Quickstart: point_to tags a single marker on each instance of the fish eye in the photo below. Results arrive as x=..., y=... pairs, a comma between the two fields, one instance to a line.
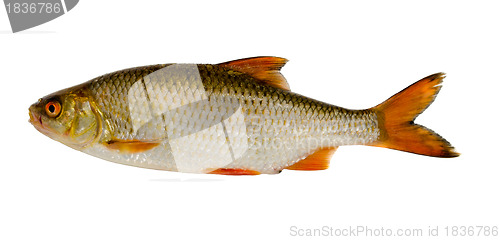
x=53, y=108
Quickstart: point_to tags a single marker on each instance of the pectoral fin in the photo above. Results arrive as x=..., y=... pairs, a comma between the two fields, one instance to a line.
x=130, y=146
x=319, y=160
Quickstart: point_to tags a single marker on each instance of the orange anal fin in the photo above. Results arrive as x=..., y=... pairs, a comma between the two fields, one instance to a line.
x=234, y=171
x=264, y=69
x=319, y=160
x=130, y=146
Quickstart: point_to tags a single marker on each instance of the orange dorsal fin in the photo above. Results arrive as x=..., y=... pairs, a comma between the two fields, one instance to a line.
x=319, y=160
x=234, y=171
x=130, y=146
x=264, y=69
x=396, y=116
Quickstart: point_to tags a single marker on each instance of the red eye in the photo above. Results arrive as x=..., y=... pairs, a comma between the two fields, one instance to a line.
x=53, y=108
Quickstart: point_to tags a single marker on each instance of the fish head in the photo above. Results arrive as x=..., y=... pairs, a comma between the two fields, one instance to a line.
x=68, y=116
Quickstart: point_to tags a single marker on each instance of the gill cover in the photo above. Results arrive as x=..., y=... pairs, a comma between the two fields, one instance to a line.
x=86, y=126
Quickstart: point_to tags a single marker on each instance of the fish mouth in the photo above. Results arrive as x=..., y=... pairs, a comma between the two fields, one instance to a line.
x=36, y=121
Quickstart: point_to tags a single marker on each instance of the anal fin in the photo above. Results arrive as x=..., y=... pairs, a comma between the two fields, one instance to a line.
x=131, y=146
x=234, y=171
x=319, y=160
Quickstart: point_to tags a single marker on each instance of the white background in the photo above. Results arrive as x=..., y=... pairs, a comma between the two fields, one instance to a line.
x=353, y=54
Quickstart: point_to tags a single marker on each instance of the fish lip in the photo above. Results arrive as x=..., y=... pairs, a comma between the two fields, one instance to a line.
x=36, y=121
x=31, y=118
x=32, y=113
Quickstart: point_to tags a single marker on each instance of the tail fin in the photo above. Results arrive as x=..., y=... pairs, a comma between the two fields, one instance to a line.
x=396, y=116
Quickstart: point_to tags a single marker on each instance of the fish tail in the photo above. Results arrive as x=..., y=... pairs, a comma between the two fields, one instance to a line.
x=396, y=118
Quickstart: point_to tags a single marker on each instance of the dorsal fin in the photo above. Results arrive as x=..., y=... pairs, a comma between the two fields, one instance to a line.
x=319, y=160
x=264, y=69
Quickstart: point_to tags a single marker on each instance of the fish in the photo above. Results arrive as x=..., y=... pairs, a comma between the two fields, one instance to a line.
x=234, y=118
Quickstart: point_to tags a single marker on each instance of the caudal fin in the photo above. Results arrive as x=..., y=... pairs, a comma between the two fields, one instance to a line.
x=396, y=116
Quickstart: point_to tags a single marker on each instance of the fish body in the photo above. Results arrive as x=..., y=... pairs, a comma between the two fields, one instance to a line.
x=234, y=118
